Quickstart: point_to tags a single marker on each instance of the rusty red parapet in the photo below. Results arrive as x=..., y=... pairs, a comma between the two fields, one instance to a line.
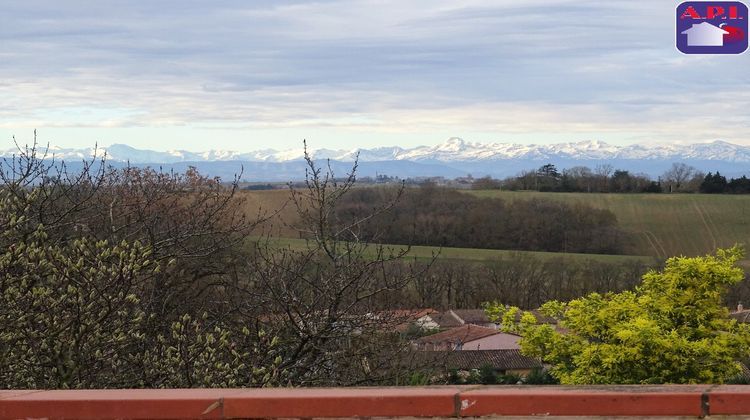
x=585, y=401
x=445, y=401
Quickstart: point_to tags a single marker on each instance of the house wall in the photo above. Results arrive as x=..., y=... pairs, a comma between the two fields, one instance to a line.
x=426, y=323
x=443, y=346
x=520, y=372
x=494, y=342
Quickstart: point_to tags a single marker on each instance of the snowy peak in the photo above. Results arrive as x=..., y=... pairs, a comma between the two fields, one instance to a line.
x=454, y=149
x=453, y=144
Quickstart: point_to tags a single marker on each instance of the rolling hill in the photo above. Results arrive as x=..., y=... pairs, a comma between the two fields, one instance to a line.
x=660, y=225
x=664, y=225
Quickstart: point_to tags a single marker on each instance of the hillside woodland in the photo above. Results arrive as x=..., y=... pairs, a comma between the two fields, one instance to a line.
x=446, y=217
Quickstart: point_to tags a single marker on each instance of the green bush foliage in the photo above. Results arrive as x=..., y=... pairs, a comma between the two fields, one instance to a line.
x=673, y=328
x=71, y=317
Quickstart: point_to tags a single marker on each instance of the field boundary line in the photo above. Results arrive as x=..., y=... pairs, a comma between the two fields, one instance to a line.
x=705, y=224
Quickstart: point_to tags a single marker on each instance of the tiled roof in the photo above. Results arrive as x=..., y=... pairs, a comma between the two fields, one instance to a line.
x=446, y=320
x=405, y=313
x=479, y=316
x=462, y=334
x=472, y=316
x=741, y=316
x=402, y=319
x=475, y=359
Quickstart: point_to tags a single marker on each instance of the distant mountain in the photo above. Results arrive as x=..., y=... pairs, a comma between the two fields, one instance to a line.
x=454, y=157
x=452, y=150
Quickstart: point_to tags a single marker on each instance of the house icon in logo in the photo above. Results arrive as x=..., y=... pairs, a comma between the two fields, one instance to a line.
x=705, y=35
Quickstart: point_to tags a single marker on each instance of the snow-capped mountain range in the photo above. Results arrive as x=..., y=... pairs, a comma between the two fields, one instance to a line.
x=454, y=156
x=453, y=150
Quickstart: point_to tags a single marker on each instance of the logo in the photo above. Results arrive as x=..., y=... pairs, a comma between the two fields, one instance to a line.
x=705, y=27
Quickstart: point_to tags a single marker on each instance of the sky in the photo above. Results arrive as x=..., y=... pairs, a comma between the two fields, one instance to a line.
x=249, y=75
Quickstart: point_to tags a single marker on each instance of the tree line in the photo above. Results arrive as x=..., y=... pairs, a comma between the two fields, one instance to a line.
x=680, y=177
x=518, y=279
x=718, y=184
x=445, y=217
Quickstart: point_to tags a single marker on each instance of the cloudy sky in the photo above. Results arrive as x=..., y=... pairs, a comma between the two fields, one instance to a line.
x=246, y=75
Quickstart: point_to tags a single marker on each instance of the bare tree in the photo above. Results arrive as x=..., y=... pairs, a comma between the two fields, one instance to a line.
x=328, y=300
x=603, y=173
x=677, y=176
x=583, y=177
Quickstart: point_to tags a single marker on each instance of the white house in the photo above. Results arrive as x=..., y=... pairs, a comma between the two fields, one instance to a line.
x=705, y=35
x=468, y=337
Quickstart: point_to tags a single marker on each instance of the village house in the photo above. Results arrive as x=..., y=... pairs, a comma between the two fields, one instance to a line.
x=468, y=337
x=404, y=319
x=453, y=318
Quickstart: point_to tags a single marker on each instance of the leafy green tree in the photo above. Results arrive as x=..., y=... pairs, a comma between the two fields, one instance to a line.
x=739, y=185
x=548, y=170
x=713, y=184
x=672, y=328
x=548, y=178
x=621, y=181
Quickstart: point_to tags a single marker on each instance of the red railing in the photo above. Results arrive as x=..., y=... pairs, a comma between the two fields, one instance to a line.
x=444, y=401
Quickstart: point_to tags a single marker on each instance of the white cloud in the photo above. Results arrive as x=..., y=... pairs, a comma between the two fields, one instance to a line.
x=415, y=68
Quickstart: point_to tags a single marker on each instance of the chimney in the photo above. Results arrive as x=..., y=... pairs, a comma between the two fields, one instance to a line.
x=739, y=307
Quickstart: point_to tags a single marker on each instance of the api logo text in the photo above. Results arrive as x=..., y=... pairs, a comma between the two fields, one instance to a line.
x=705, y=27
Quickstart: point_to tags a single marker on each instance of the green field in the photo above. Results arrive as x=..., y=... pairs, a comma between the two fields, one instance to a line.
x=659, y=225
x=664, y=225
x=479, y=255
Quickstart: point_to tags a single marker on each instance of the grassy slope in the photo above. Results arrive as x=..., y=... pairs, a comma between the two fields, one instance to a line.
x=661, y=224
x=665, y=224
x=481, y=255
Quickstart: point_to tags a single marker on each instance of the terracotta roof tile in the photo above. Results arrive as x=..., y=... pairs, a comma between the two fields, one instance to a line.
x=472, y=316
x=446, y=320
x=475, y=359
x=741, y=316
x=463, y=334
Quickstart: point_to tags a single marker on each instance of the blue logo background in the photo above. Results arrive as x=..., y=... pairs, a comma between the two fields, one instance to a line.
x=718, y=35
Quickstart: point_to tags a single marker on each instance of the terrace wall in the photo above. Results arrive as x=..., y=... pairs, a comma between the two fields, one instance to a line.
x=447, y=401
